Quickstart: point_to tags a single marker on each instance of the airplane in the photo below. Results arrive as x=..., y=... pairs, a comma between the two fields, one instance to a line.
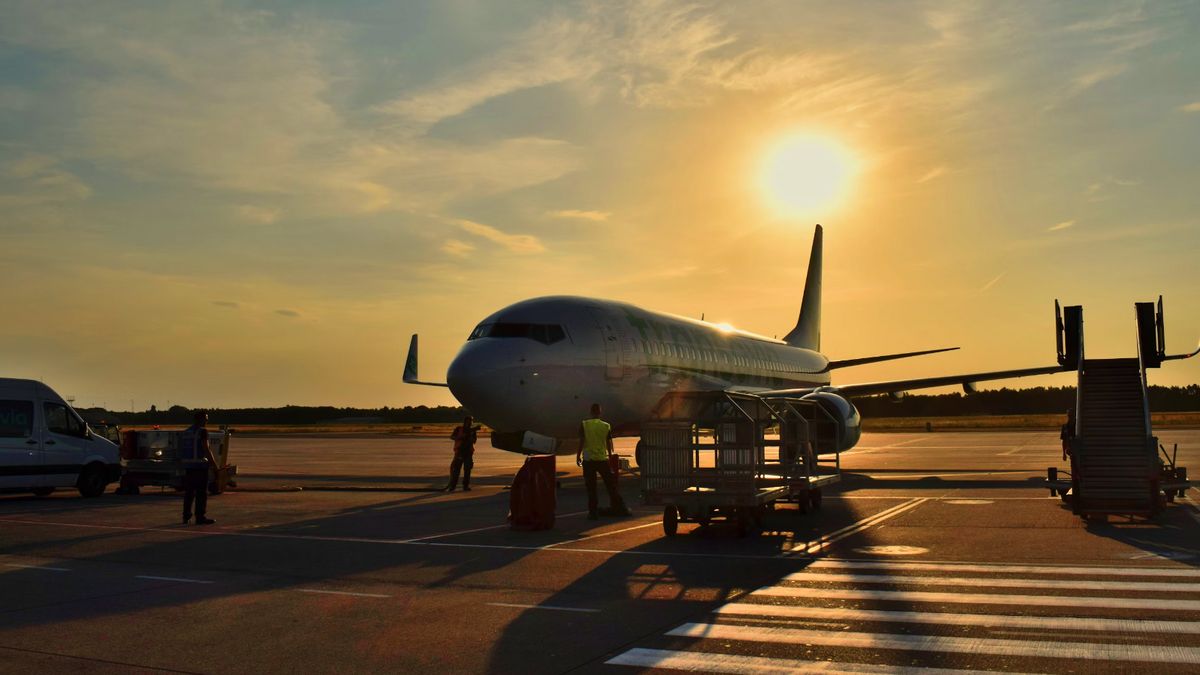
x=537, y=366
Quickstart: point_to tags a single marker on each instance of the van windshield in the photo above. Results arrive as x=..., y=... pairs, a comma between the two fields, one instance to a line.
x=16, y=419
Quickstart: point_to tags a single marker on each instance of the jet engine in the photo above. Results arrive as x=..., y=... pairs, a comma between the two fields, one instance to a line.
x=849, y=421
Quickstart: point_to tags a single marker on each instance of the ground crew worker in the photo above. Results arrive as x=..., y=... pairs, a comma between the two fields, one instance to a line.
x=464, y=454
x=1068, y=433
x=196, y=457
x=595, y=447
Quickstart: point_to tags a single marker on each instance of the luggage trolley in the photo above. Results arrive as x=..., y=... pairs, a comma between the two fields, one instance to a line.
x=808, y=457
x=729, y=456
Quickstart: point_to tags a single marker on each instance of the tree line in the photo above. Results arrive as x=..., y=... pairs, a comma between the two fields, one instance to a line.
x=1013, y=402
x=991, y=402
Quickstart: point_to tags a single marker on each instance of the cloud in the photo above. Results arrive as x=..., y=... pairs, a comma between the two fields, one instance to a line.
x=226, y=303
x=1061, y=226
x=1191, y=107
x=36, y=180
x=935, y=172
x=517, y=243
x=597, y=216
x=993, y=282
x=290, y=313
x=457, y=248
x=256, y=214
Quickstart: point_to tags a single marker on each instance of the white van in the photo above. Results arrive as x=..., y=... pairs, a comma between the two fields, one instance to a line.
x=44, y=444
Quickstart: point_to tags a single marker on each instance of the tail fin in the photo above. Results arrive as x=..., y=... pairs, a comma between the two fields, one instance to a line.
x=807, y=333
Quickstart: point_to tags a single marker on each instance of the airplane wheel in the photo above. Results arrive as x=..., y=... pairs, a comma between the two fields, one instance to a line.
x=670, y=521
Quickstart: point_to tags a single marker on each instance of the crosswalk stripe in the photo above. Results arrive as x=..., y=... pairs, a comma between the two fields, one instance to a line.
x=996, y=583
x=1140, y=626
x=759, y=665
x=1011, y=569
x=979, y=598
x=932, y=643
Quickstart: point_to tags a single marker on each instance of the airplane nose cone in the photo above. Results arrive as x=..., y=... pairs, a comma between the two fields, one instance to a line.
x=476, y=379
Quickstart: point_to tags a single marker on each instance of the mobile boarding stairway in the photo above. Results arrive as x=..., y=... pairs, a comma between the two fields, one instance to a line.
x=1116, y=465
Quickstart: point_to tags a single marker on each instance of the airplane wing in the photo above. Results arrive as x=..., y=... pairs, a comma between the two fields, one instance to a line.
x=410, y=367
x=896, y=386
x=846, y=363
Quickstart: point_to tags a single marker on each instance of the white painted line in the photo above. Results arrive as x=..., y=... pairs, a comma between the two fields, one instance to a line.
x=477, y=529
x=711, y=662
x=179, y=579
x=37, y=567
x=602, y=534
x=1014, y=451
x=980, y=474
x=933, y=643
x=854, y=528
x=987, y=620
x=553, y=607
x=831, y=563
x=356, y=595
x=979, y=598
x=991, y=582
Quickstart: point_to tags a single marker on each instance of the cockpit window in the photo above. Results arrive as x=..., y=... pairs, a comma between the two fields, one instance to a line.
x=546, y=334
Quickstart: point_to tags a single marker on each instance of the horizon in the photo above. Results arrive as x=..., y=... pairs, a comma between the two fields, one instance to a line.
x=242, y=203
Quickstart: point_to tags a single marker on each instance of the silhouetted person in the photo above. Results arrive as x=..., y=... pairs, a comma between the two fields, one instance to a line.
x=464, y=454
x=595, y=447
x=196, y=457
x=1068, y=433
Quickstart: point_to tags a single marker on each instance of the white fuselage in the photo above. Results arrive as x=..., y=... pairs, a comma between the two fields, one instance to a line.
x=538, y=365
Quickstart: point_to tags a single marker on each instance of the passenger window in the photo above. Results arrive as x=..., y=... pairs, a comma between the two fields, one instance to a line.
x=61, y=420
x=16, y=419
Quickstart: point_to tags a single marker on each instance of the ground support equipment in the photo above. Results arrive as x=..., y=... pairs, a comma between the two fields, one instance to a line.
x=732, y=456
x=1116, y=466
x=152, y=458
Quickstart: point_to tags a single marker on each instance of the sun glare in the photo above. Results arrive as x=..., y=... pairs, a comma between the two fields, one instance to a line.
x=807, y=175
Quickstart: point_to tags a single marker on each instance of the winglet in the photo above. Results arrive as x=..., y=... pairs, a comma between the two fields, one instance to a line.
x=807, y=333
x=410, y=367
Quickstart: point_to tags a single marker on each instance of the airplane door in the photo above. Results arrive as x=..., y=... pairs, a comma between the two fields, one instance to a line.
x=20, y=449
x=611, y=336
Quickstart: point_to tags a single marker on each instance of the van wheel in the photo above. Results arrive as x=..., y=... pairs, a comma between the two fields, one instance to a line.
x=43, y=491
x=92, y=481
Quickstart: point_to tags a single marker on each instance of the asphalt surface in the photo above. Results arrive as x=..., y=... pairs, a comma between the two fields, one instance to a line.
x=336, y=554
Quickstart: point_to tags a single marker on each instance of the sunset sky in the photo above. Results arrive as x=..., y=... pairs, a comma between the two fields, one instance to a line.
x=237, y=204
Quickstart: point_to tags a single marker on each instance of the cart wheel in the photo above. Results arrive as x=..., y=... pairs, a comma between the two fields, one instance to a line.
x=814, y=497
x=758, y=517
x=638, y=454
x=670, y=521
x=802, y=504
x=1171, y=496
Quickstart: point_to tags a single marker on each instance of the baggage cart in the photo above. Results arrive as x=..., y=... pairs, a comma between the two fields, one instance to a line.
x=152, y=458
x=732, y=456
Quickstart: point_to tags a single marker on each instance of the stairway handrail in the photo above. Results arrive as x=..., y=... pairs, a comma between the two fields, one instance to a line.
x=1079, y=385
x=1145, y=392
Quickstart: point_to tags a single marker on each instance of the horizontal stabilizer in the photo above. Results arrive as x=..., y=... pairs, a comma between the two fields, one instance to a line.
x=410, y=367
x=846, y=363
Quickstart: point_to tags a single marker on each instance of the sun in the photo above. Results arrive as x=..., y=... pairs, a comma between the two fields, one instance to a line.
x=807, y=174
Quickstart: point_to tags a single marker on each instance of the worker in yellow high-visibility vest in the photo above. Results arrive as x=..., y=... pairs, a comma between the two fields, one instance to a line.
x=595, y=447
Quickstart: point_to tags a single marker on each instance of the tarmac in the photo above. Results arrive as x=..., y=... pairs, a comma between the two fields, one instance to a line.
x=336, y=554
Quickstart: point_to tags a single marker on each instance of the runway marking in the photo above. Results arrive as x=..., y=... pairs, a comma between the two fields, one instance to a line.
x=357, y=595
x=736, y=663
x=995, y=583
x=601, y=534
x=477, y=529
x=865, y=450
x=179, y=579
x=978, y=598
x=37, y=567
x=833, y=563
x=1009, y=453
x=981, y=474
x=854, y=528
x=932, y=643
x=552, y=607
x=839, y=614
